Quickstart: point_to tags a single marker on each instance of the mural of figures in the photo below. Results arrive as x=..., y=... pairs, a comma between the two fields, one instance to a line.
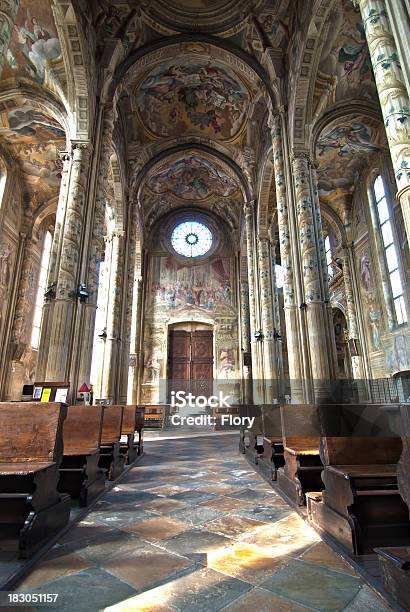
x=371, y=301
x=34, y=41
x=207, y=287
x=192, y=178
x=7, y=257
x=193, y=95
x=226, y=363
x=398, y=357
x=153, y=366
x=349, y=138
x=35, y=139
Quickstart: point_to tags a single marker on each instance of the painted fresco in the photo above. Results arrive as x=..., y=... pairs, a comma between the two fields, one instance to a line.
x=34, y=139
x=207, y=287
x=398, y=357
x=34, y=41
x=193, y=95
x=346, y=55
x=192, y=178
x=340, y=151
x=7, y=259
x=371, y=302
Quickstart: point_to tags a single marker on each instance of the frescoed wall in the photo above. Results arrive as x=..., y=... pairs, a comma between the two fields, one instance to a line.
x=181, y=293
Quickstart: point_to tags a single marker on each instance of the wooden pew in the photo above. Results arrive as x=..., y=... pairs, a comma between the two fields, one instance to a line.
x=301, y=441
x=272, y=456
x=139, y=426
x=253, y=435
x=361, y=506
x=395, y=561
x=154, y=415
x=111, y=458
x=129, y=448
x=31, y=447
x=218, y=412
x=80, y=475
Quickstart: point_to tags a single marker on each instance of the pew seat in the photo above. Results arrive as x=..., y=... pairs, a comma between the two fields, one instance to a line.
x=302, y=467
x=31, y=508
x=111, y=458
x=272, y=457
x=80, y=475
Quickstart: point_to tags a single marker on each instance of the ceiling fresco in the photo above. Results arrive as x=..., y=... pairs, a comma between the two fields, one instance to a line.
x=345, y=66
x=34, y=140
x=193, y=95
x=192, y=178
x=342, y=149
x=34, y=41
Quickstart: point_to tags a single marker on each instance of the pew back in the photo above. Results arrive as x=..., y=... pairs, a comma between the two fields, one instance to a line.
x=129, y=420
x=358, y=435
x=139, y=422
x=112, y=423
x=272, y=426
x=300, y=427
x=82, y=429
x=31, y=432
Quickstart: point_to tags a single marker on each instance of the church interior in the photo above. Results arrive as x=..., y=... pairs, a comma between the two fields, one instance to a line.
x=205, y=200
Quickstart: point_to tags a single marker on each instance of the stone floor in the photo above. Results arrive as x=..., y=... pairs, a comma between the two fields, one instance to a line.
x=194, y=527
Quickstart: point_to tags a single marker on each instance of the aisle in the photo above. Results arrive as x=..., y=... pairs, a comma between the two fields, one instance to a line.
x=194, y=527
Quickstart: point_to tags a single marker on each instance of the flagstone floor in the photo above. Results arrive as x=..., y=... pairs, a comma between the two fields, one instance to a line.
x=193, y=527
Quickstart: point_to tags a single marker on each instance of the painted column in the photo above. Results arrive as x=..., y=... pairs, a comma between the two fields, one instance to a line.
x=60, y=340
x=93, y=256
x=245, y=339
x=267, y=313
x=111, y=352
x=393, y=95
x=135, y=346
x=8, y=14
x=249, y=210
x=313, y=305
x=289, y=292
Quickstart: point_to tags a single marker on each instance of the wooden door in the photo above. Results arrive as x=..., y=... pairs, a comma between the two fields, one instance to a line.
x=190, y=362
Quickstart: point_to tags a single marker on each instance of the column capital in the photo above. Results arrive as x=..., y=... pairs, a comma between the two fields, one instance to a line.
x=301, y=155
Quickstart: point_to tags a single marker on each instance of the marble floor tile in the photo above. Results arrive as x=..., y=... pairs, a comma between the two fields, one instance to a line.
x=261, y=600
x=158, y=528
x=196, y=544
x=196, y=515
x=164, y=505
x=313, y=586
x=227, y=503
x=56, y=563
x=234, y=526
x=203, y=591
x=322, y=554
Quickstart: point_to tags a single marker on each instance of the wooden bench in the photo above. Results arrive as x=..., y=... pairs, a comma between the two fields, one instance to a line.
x=219, y=412
x=31, y=447
x=111, y=458
x=272, y=456
x=361, y=506
x=154, y=416
x=139, y=426
x=80, y=475
x=395, y=561
x=129, y=448
x=301, y=441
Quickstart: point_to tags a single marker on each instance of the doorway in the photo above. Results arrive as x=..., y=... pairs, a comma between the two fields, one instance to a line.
x=190, y=360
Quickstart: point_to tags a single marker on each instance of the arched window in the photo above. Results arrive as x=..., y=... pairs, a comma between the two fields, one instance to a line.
x=42, y=282
x=390, y=250
x=328, y=250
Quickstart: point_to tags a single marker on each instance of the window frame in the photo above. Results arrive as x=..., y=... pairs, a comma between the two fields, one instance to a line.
x=387, y=221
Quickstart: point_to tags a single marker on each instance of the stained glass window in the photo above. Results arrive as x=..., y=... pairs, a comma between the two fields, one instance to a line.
x=191, y=239
x=328, y=250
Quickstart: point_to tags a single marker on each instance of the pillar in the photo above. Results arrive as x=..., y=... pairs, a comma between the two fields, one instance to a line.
x=245, y=339
x=135, y=345
x=393, y=95
x=8, y=14
x=270, y=361
x=295, y=347
x=59, y=342
x=313, y=304
x=111, y=350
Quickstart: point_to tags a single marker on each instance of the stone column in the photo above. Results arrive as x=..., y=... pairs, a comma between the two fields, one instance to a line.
x=313, y=305
x=111, y=352
x=393, y=95
x=8, y=13
x=351, y=313
x=60, y=327
x=245, y=339
x=270, y=361
x=294, y=344
x=135, y=347
x=249, y=211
